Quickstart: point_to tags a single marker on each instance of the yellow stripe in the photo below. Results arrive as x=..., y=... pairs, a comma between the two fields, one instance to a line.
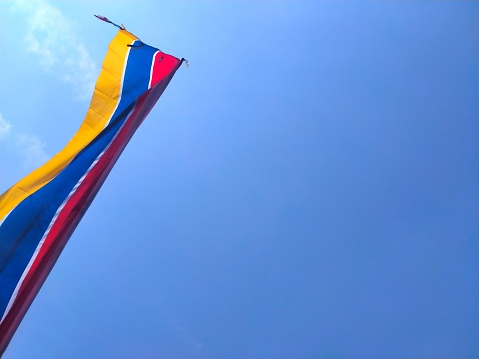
x=103, y=104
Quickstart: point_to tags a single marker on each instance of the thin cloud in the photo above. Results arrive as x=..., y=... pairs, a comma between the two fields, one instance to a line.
x=32, y=150
x=4, y=128
x=29, y=148
x=51, y=37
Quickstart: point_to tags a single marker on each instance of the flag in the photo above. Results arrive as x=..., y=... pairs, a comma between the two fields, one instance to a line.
x=40, y=212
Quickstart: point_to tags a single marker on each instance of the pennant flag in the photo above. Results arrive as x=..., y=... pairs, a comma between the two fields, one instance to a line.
x=40, y=212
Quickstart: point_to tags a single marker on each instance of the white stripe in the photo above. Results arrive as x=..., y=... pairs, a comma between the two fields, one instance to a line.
x=4, y=218
x=151, y=69
x=121, y=84
x=57, y=213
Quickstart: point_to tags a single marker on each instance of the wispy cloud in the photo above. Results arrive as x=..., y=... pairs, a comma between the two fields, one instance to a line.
x=29, y=147
x=32, y=150
x=51, y=37
x=4, y=127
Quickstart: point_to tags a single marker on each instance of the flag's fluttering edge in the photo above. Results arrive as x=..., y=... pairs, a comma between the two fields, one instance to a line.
x=41, y=211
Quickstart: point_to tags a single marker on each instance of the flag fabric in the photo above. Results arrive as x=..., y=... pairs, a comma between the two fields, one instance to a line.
x=40, y=212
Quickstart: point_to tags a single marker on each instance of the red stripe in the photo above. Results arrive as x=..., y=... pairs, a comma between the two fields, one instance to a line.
x=163, y=65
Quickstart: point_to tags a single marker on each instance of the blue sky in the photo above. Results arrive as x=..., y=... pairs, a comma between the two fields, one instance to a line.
x=306, y=189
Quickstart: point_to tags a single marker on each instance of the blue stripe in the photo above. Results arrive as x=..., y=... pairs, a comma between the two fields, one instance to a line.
x=24, y=227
